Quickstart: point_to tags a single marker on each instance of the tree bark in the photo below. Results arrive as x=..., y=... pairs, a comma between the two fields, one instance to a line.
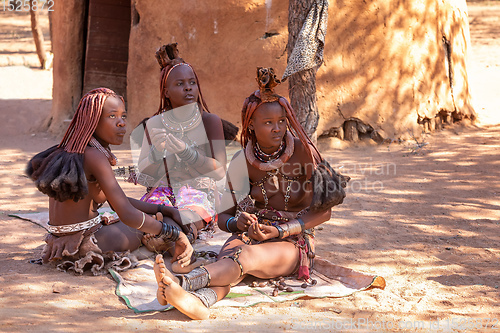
x=302, y=85
x=50, y=30
x=68, y=41
x=38, y=36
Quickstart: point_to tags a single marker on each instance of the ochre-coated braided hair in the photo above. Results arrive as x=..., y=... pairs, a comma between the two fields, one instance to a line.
x=85, y=120
x=168, y=58
x=58, y=171
x=267, y=80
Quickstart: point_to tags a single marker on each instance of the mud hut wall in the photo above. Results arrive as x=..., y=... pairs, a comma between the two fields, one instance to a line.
x=385, y=61
x=224, y=41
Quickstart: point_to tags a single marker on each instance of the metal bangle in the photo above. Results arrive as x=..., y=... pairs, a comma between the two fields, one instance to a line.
x=293, y=227
x=302, y=224
x=231, y=225
x=280, y=231
x=143, y=220
x=169, y=232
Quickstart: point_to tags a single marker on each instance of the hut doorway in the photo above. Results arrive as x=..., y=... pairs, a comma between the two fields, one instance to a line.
x=106, y=45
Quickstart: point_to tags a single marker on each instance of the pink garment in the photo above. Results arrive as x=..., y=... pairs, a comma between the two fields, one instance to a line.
x=186, y=197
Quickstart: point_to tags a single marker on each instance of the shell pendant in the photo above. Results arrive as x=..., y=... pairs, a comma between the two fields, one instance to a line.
x=274, y=179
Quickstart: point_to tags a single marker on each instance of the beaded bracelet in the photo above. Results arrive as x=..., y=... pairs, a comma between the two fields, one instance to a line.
x=230, y=223
x=160, y=208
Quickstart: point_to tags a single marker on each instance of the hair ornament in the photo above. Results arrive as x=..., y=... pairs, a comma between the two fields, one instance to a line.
x=267, y=81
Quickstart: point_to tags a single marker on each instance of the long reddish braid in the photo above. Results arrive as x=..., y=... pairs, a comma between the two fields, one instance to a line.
x=59, y=170
x=85, y=120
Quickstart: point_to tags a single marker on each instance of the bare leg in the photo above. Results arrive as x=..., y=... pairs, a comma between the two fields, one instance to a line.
x=118, y=237
x=170, y=292
x=176, y=267
x=265, y=260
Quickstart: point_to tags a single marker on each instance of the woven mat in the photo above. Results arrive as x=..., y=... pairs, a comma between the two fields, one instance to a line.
x=137, y=286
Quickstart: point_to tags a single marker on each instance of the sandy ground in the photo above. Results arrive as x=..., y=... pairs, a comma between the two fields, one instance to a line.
x=426, y=219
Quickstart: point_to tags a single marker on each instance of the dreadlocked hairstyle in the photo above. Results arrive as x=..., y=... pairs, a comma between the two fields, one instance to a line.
x=168, y=58
x=58, y=171
x=327, y=183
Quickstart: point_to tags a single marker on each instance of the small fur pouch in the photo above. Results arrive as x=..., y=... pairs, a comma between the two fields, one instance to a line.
x=328, y=187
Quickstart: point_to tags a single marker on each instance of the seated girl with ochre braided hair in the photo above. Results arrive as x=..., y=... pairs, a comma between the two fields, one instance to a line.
x=78, y=178
x=278, y=189
x=182, y=150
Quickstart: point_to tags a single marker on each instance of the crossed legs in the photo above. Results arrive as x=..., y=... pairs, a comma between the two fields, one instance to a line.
x=266, y=260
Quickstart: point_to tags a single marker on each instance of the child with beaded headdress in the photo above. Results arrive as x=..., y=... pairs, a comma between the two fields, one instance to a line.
x=78, y=178
x=278, y=189
x=183, y=148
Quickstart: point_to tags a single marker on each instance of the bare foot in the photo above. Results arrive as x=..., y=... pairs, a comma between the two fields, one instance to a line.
x=171, y=293
x=154, y=244
x=161, y=270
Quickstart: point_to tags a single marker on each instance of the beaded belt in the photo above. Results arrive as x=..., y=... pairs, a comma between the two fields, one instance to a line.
x=198, y=183
x=61, y=229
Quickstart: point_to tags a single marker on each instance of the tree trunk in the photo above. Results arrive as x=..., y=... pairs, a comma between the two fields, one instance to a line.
x=38, y=35
x=302, y=85
x=50, y=30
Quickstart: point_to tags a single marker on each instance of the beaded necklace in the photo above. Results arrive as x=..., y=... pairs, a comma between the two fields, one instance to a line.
x=172, y=124
x=273, y=175
x=106, y=151
x=274, y=164
x=263, y=157
x=272, y=167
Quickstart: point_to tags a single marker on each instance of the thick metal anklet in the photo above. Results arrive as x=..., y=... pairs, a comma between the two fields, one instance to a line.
x=196, y=279
x=206, y=295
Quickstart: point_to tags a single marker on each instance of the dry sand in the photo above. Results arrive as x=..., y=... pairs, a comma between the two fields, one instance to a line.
x=427, y=221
